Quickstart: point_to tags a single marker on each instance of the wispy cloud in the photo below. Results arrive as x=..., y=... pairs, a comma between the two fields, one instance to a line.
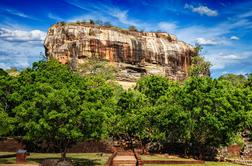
x=54, y=17
x=246, y=14
x=223, y=59
x=17, y=13
x=19, y=55
x=206, y=42
x=198, y=33
x=216, y=36
x=167, y=26
x=222, y=34
x=21, y=35
x=202, y=10
x=122, y=16
x=106, y=12
x=223, y=51
x=234, y=38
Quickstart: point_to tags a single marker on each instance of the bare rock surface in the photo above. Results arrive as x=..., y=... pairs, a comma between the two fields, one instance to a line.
x=133, y=53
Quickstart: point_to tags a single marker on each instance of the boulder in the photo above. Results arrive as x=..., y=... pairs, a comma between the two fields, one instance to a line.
x=133, y=53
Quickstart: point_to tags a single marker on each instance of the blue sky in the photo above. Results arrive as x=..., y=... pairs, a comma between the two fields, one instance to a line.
x=223, y=27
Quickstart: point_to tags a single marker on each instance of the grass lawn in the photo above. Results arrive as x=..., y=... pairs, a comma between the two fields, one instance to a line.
x=206, y=164
x=164, y=157
x=95, y=159
x=80, y=159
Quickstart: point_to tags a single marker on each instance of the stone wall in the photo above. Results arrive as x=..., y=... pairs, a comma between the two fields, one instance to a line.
x=234, y=150
x=12, y=145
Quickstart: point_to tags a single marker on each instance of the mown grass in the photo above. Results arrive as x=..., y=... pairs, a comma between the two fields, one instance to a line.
x=206, y=164
x=92, y=159
x=97, y=159
x=164, y=157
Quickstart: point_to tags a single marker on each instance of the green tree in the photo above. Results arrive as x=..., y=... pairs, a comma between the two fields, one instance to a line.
x=107, y=24
x=55, y=106
x=235, y=80
x=61, y=23
x=92, y=22
x=199, y=66
x=153, y=86
x=8, y=85
x=174, y=120
x=5, y=123
x=97, y=68
x=249, y=81
x=2, y=72
x=129, y=121
x=132, y=28
x=218, y=111
x=201, y=114
x=99, y=22
x=170, y=122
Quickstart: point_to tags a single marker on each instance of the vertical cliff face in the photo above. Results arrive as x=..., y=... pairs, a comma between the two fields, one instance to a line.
x=133, y=53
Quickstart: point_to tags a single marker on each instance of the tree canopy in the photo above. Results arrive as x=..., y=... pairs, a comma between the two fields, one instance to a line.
x=55, y=105
x=49, y=104
x=199, y=66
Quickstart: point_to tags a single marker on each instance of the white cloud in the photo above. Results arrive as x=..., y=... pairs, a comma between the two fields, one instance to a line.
x=54, y=17
x=224, y=59
x=17, y=13
x=231, y=57
x=4, y=66
x=122, y=17
x=239, y=72
x=202, y=10
x=206, y=42
x=216, y=33
x=21, y=35
x=19, y=55
x=234, y=38
x=107, y=13
x=223, y=54
x=168, y=27
x=246, y=14
x=19, y=48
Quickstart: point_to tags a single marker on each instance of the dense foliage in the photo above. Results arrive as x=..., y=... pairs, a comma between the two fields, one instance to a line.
x=199, y=66
x=52, y=105
x=49, y=105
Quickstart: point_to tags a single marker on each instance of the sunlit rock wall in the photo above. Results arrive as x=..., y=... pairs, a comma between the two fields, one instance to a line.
x=133, y=53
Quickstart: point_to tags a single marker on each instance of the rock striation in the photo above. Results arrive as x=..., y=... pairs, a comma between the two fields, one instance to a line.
x=133, y=53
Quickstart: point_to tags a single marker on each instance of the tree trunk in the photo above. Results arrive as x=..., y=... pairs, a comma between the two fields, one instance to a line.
x=63, y=153
x=131, y=145
x=200, y=151
x=185, y=149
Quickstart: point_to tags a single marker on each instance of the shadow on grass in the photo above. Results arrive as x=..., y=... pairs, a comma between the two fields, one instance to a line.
x=76, y=161
x=82, y=162
x=7, y=160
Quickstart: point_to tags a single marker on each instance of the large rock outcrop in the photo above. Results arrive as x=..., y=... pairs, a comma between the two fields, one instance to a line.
x=133, y=53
